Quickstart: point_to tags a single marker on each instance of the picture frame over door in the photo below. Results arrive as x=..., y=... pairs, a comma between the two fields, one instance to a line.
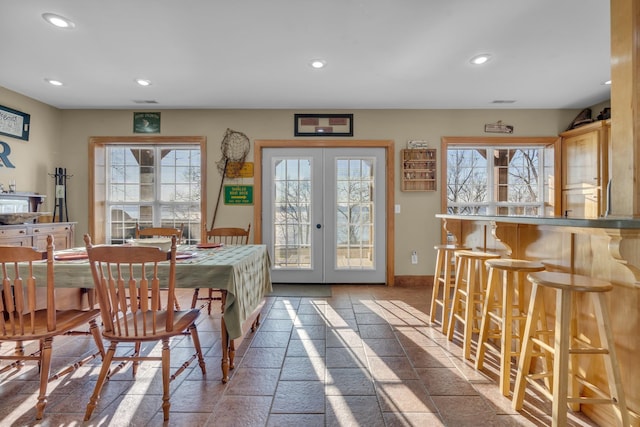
x=323, y=125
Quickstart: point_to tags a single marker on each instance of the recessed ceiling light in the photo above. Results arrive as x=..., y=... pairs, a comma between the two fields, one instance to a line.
x=318, y=63
x=143, y=82
x=480, y=59
x=58, y=21
x=608, y=82
x=53, y=82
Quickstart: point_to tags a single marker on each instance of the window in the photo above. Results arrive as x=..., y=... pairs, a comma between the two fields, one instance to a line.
x=150, y=181
x=491, y=176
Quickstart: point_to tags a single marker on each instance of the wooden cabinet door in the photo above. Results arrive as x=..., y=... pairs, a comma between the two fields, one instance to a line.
x=585, y=170
x=581, y=161
x=581, y=203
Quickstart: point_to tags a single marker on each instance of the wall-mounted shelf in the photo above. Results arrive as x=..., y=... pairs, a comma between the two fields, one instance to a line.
x=418, y=169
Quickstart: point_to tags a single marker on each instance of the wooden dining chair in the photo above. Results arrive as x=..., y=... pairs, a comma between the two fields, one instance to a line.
x=28, y=315
x=160, y=232
x=148, y=232
x=224, y=236
x=135, y=271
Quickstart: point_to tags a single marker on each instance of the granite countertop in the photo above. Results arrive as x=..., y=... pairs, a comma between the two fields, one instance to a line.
x=608, y=222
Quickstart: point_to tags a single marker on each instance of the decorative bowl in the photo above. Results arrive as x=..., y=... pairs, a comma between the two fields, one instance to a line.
x=18, y=217
x=159, y=242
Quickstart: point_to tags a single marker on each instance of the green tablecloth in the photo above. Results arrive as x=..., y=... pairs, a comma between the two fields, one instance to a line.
x=243, y=271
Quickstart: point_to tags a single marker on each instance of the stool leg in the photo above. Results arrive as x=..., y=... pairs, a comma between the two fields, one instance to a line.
x=611, y=361
x=436, y=287
x=455, y=302
x=469, y=309
x=561, y=358
x=524, y=361
x=486, y=319
x=446, y=291
x=507, y=334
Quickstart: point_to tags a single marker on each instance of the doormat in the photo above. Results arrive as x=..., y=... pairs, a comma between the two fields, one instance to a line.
x=293, y=290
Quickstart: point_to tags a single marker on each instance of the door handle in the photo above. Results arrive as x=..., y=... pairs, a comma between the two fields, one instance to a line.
x=318, y=226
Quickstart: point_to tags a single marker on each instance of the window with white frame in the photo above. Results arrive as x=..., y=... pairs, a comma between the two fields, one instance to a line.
x=150, y=185
x=499, y=179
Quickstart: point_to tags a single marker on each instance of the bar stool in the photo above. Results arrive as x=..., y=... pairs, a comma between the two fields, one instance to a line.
x=468, y=292
x=567, y=343
x=499, y=306
x=444, y=280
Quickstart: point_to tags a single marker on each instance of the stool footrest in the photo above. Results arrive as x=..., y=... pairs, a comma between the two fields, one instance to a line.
x=495, y=317
x=590, y=401
x=541, y=388
x=539, y=376
x=543, y=345
x=588, y=351
x=594, y=388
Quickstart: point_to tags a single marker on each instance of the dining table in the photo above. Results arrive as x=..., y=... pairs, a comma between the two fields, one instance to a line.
x=240, y=272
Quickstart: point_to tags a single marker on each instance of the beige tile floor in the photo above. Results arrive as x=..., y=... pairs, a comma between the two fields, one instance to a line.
x=366, y=356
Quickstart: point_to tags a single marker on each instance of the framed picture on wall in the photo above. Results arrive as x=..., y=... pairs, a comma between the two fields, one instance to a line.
x=146, y=122
x=14, y=123
x=323, y=125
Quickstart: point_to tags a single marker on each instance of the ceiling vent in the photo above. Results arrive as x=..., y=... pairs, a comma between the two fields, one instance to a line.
x=503, y=101
x=145, y=101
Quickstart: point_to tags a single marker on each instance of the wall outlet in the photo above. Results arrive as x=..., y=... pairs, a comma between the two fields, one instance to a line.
x=414, y=257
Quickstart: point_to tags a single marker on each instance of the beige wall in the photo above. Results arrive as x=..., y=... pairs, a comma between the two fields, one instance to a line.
x=35, y=158
x=65, y=144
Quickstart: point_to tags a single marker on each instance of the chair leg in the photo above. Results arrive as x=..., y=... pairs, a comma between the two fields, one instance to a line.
x=45, y=363
x=194, y=299
x=196, y=343
x=106, y=363
x=209, y=301
x=136, y=363
x=166, y=364
x=95, y=332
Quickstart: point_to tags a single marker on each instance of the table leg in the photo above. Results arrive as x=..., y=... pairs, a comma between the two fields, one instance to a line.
x=225, y=351
x=225, y=342
x=232, y=353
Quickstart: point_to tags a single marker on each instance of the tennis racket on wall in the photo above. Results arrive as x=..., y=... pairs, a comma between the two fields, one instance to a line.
x=235, y=147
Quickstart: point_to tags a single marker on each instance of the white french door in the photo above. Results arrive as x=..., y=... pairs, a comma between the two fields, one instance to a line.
x=324, y=214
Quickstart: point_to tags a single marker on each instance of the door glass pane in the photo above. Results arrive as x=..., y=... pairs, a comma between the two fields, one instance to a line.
x=354, y=210
x=292, y=221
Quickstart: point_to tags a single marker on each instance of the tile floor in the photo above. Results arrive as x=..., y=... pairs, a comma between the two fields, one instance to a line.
x=366, y=356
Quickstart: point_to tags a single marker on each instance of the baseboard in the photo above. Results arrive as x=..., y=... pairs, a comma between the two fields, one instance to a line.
x=413, y=280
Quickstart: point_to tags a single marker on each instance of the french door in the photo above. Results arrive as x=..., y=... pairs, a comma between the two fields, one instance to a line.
x=324, y=214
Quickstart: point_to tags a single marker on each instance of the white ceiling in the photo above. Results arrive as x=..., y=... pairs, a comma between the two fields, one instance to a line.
x=256, y=53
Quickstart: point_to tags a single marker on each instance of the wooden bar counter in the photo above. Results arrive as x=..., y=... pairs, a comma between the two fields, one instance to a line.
x=606, y=248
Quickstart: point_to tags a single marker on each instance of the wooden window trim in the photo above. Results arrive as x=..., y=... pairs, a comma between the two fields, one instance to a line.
x=97, y=195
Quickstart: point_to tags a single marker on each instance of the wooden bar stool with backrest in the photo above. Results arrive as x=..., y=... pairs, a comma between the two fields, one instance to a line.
x=468, y=294
x=223, y=236
x=568, y=344
x=443, y=282
x=500, y=303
